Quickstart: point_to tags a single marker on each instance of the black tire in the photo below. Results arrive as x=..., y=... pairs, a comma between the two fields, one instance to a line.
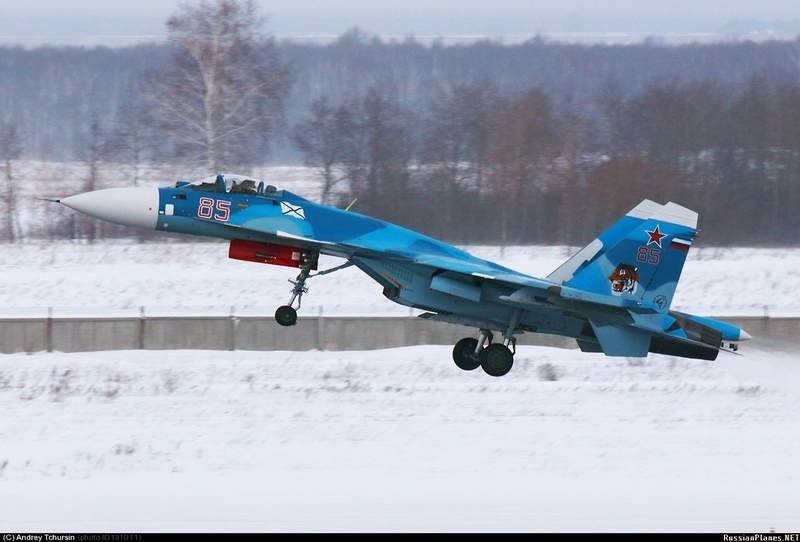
x=286, y=316
x=496, y=360
x=464, y=354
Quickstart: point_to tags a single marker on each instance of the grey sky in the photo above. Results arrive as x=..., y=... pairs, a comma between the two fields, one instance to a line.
x=120, y=22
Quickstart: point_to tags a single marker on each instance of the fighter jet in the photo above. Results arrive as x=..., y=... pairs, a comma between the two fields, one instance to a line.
x=613, y=296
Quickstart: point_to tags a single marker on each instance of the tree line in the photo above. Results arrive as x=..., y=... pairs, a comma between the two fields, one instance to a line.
x=482, y=143
x=485, y=166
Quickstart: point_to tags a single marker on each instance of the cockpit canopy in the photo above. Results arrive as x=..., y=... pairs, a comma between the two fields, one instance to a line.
x=232, y=184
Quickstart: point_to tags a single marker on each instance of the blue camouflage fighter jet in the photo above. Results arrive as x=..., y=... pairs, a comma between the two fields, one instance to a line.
x=613, y=296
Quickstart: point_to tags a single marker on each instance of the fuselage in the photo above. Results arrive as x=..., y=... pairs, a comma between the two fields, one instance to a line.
x=413, y=269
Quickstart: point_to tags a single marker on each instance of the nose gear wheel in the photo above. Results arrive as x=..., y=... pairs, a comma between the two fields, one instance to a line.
x=286, y=316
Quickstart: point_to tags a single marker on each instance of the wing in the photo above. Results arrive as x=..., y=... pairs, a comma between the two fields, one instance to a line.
x=451, y=270
x=395, y=244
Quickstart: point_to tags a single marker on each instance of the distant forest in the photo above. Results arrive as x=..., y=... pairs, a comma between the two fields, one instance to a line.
x=484, y=143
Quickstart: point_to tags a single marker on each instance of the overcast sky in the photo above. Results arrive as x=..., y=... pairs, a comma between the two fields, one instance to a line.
x=120, y=22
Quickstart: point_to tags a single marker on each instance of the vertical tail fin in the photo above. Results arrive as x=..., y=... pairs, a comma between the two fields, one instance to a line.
x=606, y=240
x=641, y=257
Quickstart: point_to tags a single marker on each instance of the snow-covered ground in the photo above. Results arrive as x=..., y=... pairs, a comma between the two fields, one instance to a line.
x=113, y=277
x=397, y=440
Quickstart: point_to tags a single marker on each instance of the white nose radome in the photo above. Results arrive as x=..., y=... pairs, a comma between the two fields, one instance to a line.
x=136, y=207
x=744, y=336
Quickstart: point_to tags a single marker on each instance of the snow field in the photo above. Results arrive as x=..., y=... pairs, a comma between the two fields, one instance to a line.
x=397, y=440
x=196, y=277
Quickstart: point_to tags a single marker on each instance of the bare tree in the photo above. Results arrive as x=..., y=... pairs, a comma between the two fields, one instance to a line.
x=387, y=153
x=10, y=150
x=129, y=141
x=326, y=142
x=525, y=133
x=95, y=150
x=446, y=153
x=455, y=148
x=222, y=95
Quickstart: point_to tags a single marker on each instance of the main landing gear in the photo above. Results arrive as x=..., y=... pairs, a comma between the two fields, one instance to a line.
x=286, y=315
x=495, y=359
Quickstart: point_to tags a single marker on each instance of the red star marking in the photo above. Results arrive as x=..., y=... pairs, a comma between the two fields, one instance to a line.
x=655, y=236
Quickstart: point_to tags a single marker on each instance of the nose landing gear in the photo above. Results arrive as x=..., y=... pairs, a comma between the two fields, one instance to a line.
x=286, y=315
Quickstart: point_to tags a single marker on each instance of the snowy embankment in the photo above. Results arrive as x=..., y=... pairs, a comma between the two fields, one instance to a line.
x=195, y=278
x=397, y=440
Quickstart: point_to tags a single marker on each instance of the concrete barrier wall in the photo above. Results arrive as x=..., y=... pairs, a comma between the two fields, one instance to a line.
x=328, y=333
x=24, y=335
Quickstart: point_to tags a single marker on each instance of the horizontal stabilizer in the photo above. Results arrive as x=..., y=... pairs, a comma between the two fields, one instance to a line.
x=670, y=346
